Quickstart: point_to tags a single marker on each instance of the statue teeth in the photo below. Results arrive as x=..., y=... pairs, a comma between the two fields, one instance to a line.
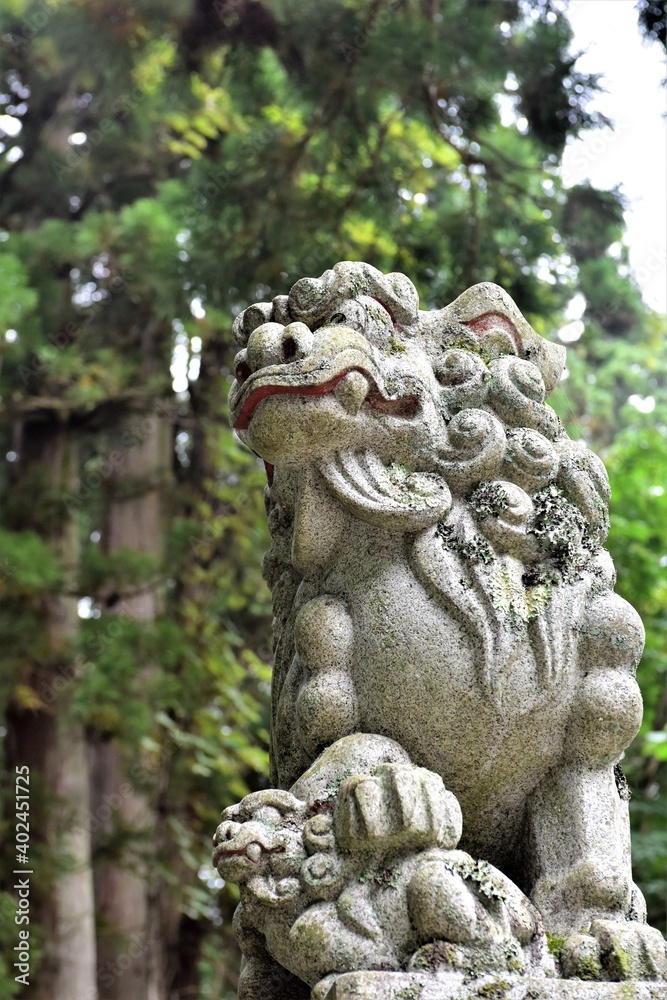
x=351, y=391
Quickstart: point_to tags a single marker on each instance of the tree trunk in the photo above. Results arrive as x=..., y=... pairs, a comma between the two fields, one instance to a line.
x=132, y=945
x=75, y=943
x=54, y=745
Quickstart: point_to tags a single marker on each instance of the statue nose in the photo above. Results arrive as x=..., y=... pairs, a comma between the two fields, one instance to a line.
x=226, y=832
x=274, y=344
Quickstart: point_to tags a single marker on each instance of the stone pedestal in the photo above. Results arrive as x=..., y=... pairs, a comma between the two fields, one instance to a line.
x=450, y=986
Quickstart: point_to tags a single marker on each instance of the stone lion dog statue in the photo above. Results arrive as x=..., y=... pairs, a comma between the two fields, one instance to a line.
x=439, y=581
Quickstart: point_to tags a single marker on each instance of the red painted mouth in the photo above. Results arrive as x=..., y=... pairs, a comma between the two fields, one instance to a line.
x=405, y=406
x=256, y=397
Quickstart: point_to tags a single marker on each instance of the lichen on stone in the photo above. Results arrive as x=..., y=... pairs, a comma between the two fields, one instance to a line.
x=509, y=596
x=481, y=873
x=622, y=786
x=438, y=955
x=473, y=550
x=542, y=574
x=488, y=499
x=561, y=527
x=387, y=878
x=537, y=598
x=493, y=991
x=412, y=992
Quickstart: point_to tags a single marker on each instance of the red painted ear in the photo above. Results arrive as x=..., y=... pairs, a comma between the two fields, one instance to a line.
x=490, y=313
x=493, y=324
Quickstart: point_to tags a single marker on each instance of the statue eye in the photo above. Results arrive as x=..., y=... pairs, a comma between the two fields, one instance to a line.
x=353, y=315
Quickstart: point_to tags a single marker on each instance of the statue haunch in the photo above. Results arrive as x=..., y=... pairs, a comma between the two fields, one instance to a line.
x=439, y=583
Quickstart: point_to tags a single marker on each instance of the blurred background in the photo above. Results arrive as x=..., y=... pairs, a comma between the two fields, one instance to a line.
x=162, y=166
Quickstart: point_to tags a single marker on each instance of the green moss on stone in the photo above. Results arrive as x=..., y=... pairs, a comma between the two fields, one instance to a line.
x=589, y=968
x=396, y=346
x=619, y=963
x=412, y=992
x=555, y=944
x=467, y=342
x=494, y=991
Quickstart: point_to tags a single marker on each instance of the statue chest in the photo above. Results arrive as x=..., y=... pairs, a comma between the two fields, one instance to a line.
x=425, y=679
x=406, y=663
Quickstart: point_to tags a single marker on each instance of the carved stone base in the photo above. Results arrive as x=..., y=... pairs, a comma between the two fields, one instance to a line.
x=450, y=986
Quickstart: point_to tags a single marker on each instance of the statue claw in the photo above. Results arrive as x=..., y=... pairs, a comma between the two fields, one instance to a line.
x=396, y=805
x=616, y=951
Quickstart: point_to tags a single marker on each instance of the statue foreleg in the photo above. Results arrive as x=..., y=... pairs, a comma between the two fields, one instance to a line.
x=582, y=877
x=580, y=849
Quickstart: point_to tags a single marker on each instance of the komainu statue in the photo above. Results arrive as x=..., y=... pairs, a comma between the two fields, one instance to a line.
x=454, y=676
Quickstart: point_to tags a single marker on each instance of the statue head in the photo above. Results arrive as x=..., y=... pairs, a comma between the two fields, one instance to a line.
x=348, y=360
x=402, y=411
x=259, y=845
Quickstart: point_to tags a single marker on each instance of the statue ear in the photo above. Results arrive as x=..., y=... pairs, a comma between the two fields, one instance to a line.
x=490, y=313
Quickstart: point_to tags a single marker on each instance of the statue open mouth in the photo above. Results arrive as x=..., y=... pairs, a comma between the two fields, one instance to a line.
x=251, y=852
x=353, y=386
x=234, y=845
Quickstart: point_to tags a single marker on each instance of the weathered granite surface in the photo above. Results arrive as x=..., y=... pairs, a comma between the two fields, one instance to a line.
x=447, y=633
x=450, y=986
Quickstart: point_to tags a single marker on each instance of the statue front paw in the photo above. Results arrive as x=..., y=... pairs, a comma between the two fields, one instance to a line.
x=616, y=951
x=397, y=805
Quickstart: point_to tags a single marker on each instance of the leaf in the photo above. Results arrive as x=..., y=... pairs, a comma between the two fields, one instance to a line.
x=27, y=698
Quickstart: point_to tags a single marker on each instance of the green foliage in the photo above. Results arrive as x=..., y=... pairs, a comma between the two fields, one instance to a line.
x=125, y=567
x=21, y=298
x=653, y=20
x=28, y=565
x=109, y=696
x=638, y=544
x=649, y=853
x=552, y=94
x=8, y=939
x=190, y=161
